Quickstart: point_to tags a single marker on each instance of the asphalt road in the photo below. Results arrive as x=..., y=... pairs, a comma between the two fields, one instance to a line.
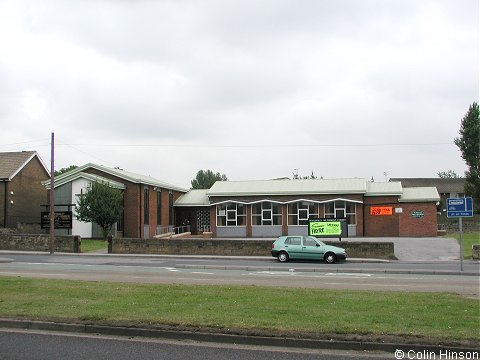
x=25, y=345
x=395, y=276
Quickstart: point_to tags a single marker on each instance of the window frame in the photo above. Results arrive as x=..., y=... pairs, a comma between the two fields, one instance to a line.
x=234, y=214
x=301, y=211
x=267, y=213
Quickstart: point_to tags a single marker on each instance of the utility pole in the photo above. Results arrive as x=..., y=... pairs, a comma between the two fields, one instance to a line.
x=52, y=196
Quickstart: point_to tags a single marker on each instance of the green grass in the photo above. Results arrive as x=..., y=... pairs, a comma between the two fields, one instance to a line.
x=282, y=311
x=89, y=245
x=468, y=239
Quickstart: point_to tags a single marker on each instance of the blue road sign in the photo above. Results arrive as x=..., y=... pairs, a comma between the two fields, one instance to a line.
x=460, y=207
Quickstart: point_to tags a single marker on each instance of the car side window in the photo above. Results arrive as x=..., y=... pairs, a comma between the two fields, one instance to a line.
x=307, y=241
x=293, y=241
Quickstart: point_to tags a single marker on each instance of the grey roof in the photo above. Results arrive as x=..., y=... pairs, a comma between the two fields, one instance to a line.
x=443, y=185
x=288, y=187
x=384, y=189
x=193, y=198
x=419, y=194
x=120, y=173
x=303, y=188
x=11, y=163
x=82, y=175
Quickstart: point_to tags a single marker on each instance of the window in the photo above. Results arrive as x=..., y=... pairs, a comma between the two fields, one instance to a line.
x=231, y=214
x=300, y=212
x=342, y=209
x=159, y=207
x=170, y=208
x=266, y=213
x=308, y=241
x=293, y=241
x=145, y=206
x=120, y=223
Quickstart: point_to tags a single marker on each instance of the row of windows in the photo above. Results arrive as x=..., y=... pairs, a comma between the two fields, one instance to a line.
x=146, y=206
x=298, y=213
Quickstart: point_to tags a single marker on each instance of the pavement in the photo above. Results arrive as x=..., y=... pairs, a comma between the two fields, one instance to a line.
x=421, y=249
x=333, y=342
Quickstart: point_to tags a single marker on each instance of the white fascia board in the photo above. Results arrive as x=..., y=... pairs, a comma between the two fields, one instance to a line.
x=285, y=202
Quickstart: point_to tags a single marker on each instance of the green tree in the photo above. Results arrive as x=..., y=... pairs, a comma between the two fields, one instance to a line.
x=64, y=170
x=101, y=204
x=449, y=174
x=206, y=178
x=469, y=144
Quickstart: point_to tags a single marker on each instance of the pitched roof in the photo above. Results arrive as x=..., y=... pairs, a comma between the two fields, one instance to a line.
x=11, y=163
x=82, y=175
x=339, y=187
x=120, y=173
x=384, y=189
x=443, y=185
x=196, y=197
x=288, y=187
x=419, y=194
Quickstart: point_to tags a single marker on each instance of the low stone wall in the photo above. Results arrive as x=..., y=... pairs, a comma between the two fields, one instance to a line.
x=40, y=242
x=377, y=250
x=476, y=251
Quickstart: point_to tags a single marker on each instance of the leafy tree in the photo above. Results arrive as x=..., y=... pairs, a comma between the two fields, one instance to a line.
x=449, y=174
x=64, y=170
x=206, y=178
x=469, y=144
x=101, y=204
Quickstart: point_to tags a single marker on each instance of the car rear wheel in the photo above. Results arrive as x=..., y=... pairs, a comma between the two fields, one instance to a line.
x=282, y=256
x=330, y=258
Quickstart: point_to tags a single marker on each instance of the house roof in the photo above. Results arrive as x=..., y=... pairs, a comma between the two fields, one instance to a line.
x=82, y=175
x=288, y=187
x=419, y=194
x=443, y=185
x=11, y=163
x=120, y=173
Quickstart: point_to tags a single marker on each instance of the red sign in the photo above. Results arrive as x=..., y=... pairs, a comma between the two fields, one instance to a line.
x=381, y=210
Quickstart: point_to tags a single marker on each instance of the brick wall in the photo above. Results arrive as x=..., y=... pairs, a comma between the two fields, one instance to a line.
x=410, y=225
x=28, y=194
x=27, y=242
x=379, y=250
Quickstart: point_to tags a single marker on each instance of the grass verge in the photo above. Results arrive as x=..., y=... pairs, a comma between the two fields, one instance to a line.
x=468, y=239
x=89, y=245
x=273, y=311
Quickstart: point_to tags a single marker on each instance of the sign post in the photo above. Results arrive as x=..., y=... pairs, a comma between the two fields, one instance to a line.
x=459, y=208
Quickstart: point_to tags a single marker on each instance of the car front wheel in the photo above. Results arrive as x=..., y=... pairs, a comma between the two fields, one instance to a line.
x=282, y=256
x=330, y=258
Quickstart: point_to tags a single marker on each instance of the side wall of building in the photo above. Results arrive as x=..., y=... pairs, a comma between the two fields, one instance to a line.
x=418, y=219
x=28, y=195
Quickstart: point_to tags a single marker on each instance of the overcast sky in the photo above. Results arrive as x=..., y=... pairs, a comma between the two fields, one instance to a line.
x=254, y=89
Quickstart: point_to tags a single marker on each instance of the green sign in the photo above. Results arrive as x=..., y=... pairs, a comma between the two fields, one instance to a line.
x=328, y=227
x=417, y=214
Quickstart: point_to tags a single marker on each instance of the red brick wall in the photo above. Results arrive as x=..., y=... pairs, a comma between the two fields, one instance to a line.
x=28, y=194
x=422, y=226
x=133, y=206
x=380, y=225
